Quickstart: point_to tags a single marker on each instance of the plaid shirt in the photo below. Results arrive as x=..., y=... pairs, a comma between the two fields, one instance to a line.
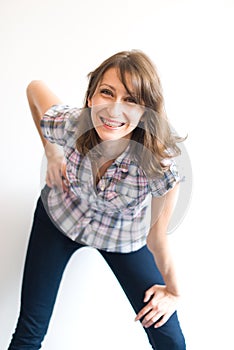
x=113, y=215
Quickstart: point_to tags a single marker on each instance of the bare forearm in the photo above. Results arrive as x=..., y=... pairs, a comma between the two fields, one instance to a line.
x=164, y=262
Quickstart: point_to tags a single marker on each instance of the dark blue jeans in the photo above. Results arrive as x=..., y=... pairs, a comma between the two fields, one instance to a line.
x=47, y=256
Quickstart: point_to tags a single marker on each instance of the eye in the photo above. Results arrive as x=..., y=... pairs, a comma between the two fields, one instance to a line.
x=131, y=99
x=106, y=92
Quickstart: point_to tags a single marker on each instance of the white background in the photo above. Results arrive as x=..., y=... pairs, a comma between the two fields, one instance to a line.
x=60, y=41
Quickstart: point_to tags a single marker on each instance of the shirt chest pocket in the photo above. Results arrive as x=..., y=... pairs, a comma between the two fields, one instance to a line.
x=125, y=196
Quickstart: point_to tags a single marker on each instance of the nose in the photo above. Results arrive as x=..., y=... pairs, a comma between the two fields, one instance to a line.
x=116, y=109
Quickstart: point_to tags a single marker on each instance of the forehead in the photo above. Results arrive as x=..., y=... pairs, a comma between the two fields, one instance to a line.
x=112, y=77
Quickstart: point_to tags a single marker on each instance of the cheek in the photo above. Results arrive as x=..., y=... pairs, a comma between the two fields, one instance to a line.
x=135, y=117
x=96, y=111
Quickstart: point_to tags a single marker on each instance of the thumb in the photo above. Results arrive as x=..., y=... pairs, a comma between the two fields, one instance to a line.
x=48, y=181
x=148, y=295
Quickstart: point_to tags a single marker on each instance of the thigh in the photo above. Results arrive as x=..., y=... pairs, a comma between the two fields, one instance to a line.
x=47, y=255
x=136, y=272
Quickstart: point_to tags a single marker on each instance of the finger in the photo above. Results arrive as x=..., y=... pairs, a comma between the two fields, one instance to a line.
x=148, y=294
x=51, y=182
x=154, y=315
x=58, y=179
x=54, y=178
x=152, y=304
x=157, y=291
x=150, y=316
x=162, y=321
x=156, y=318
x=48, y=181
x=143, y=312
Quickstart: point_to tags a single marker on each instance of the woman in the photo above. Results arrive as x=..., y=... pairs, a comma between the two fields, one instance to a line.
x=118, y=153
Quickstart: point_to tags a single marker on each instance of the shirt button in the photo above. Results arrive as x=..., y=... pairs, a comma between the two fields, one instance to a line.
x=102, y=185
x=124, y=168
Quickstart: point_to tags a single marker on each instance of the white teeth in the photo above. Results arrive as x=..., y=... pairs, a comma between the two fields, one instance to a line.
x=113, y=124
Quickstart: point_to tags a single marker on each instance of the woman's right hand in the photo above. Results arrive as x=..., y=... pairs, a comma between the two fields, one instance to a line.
x=55, y=163
x=54, y=170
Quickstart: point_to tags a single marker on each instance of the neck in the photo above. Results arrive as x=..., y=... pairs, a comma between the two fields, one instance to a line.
x=112, y=149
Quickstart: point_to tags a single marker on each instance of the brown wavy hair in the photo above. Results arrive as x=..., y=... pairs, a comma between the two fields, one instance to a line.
x=154, y=138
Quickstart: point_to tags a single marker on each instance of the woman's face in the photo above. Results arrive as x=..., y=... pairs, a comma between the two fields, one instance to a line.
x=114, y=112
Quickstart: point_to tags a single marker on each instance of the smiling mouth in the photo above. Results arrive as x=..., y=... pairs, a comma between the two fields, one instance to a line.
x=111, y=123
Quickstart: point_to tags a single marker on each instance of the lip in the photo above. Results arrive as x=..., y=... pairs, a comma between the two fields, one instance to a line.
x=111, y=121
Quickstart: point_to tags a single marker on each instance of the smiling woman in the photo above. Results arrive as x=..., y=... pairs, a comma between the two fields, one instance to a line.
x=118, y=156
x=115, y=113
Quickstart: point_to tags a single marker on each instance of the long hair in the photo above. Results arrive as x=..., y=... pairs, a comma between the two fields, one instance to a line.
x=154, y=139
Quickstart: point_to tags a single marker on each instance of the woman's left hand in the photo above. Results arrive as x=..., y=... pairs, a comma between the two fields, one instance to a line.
x=161, y=304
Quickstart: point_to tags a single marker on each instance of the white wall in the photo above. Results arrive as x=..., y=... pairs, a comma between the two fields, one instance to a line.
x=60, y=41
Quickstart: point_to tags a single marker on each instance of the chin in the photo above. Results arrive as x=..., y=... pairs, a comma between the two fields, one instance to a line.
x=110, y=138
x=106, y=136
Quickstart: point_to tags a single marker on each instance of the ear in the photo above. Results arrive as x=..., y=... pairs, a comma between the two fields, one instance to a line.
x=89, y=102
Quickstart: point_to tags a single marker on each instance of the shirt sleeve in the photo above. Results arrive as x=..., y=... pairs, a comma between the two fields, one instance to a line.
x=160, y=186
x=59, y=123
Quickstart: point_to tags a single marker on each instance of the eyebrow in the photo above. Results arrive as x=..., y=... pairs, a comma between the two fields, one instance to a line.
x=112, y=87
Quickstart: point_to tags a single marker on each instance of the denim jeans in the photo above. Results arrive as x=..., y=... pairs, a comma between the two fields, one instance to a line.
x=47, y=256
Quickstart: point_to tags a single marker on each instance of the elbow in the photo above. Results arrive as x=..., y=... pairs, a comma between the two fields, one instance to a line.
x=32, y=85
x=31, y=93
x=156, y=239
x=30, y=88
x=151, y=242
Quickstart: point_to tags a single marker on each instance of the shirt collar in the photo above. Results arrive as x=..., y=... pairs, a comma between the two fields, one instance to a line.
x=123, y=160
